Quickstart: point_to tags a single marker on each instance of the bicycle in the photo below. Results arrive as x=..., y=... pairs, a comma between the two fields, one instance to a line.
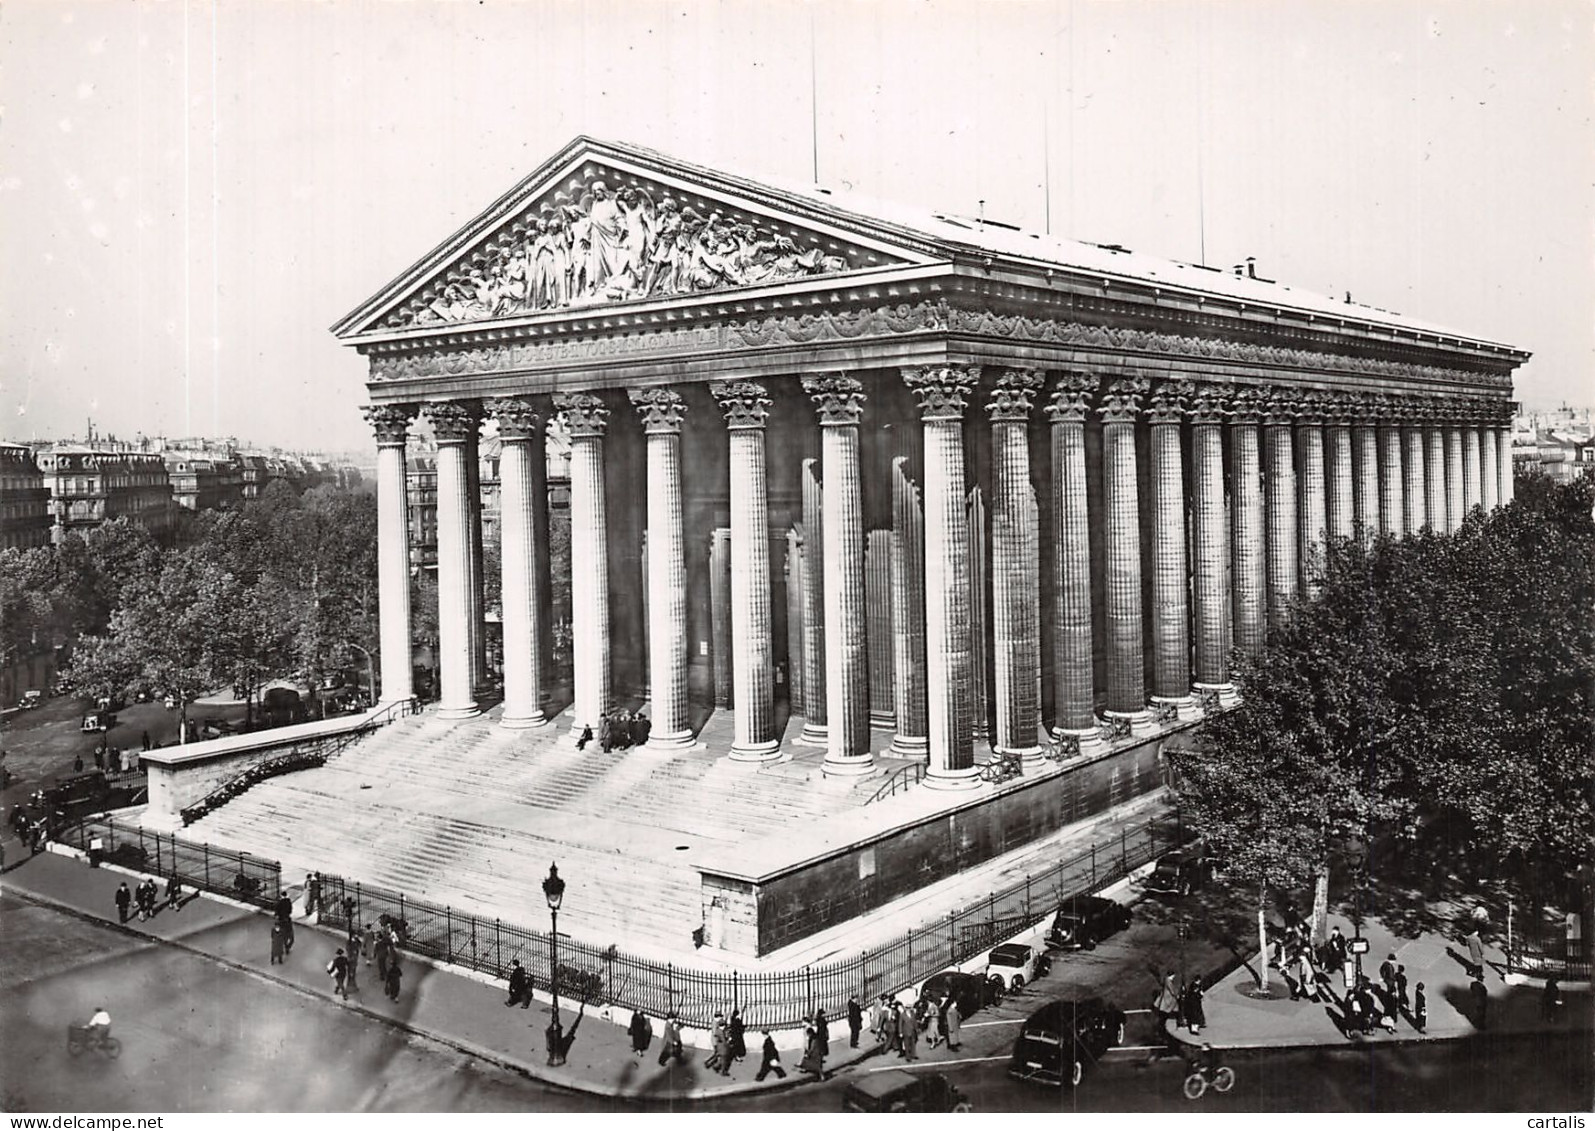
x=1203, y=1076
x=81, y=1037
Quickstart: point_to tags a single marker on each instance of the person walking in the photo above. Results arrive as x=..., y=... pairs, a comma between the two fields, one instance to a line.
x=721, y=1048
x=877, y=1019
x=1551, y=1000
x=737, y=1035
x=670, y=1043
x=1420, y=1009
x=1403, y=1002
x=606, y=734
x=368, y=943
x=124, y=900
x=955, y=1021
x=1387, y=979
x=894, y=1026
x=770, y=1060
x=146, y=742
x=1481, y=1001
x=855, y=1021
x=1195, y=1015
x=824, y=1028
x=384, y=952
x=276, y=943
x=519, y=990
x=642, y=1032
x=174, y=892
x=146, y=899
x=910, y=1025
x=1475, y=954
x=813, y=1049
x=312, y=894
x=339, y=969
x=1166, y=1005
x=393, y=978
x=938, y=1035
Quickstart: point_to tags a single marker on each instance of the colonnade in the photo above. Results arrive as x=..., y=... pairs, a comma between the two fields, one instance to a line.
x=1152, y=574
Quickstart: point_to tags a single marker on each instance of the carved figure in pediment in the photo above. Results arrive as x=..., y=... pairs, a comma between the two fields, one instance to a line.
x=660, y=271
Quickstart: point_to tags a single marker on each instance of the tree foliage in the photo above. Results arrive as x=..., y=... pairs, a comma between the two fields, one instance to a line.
x=1433, y=705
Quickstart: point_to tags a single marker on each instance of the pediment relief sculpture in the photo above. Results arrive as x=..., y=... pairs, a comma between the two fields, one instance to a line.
x=608, y=237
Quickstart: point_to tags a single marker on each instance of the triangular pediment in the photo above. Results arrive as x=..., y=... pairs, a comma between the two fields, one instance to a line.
x=603, y=224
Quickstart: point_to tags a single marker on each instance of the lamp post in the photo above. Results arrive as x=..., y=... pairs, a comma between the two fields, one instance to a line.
x=554, y=892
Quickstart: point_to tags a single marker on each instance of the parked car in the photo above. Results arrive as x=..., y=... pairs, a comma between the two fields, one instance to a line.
x=1085, y=920
x=896, y=1090
x=1062, y=1037
x=1184, y=871
x=30, y=700
x=1017, y=965
x=97, y=723
x=971, y=992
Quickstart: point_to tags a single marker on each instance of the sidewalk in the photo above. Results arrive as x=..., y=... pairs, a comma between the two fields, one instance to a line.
x=452, y=1007
x=1238, y=1018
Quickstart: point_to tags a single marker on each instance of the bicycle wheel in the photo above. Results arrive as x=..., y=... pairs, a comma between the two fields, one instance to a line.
x=113, y=1047
x=1224, y=1079
x=74, y=1046
x=1195, y=1085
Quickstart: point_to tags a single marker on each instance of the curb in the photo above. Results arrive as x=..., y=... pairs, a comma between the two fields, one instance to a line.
x=539, y=1073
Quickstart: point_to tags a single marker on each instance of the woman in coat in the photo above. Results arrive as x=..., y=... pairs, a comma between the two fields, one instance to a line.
x=954, y=1023
x=1194, y=1015
x=813, y=1050
x=641, y=1032
x=738, y=1034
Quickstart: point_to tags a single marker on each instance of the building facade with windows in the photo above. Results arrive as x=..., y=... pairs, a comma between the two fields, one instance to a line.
x=90, y=485
x=24, y=500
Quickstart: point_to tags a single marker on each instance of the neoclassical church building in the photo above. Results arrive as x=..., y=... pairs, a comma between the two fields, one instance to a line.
x=899, y=491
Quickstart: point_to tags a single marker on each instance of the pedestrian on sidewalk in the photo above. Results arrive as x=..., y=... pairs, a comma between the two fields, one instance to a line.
x=99, y=757
x=520, y=991
x=276, y=943
x=642, y=1032
x=339, y=969
x=352, y=967
x=384, y=952
x=606, y=734
x=855, y=1021
x=312, y=894
x=1166, y=1005
x=877, y=1019
x=77, y=763
x=955, y=1021
x=174, y=892
x=368, y=943
x=284, y=906
x=146, y=741
x=1481, y=1001
x=720, y=1047
x=670, y=1044
x=287, y=935
x=771, y=1061
x=910, y=1035
x=1402, y=1000
x=1387, y=978
x=824, y=1027
x=939, y=1034
x=1420, y=1009
x=1475, y=953
x=893, y=1030
x=813, y=1050
x=146, y=899
x=1551, y=1000
x=1195, y=1016
x=392, y=979
x=124, y=900
x=737, y=1034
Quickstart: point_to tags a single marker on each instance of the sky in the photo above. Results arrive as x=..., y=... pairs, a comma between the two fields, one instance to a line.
x=191, y=192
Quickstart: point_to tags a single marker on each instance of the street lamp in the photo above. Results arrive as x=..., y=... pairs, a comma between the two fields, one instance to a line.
x=554, y=892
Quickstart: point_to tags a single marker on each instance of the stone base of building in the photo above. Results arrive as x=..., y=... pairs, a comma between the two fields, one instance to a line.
x=853, y=765
x=523, y=722
x=757, y=752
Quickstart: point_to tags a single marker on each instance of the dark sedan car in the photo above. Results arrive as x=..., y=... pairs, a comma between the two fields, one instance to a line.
x=1085, y=920
x=1182, y=872
x=971, y=992
x=896, y=1090
x=1061, y=1037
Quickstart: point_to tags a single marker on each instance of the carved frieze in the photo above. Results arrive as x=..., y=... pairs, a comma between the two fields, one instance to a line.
x=660, y=409
x=746, y=404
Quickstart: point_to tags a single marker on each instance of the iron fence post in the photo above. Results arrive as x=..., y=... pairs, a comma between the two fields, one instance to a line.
x=1124, y=850
x=736, y=989
x=448, y=935
x=1093, y=865
x=498, y=950
x=207, y=865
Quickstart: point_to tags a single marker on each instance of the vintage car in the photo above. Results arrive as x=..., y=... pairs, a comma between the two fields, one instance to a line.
x=30, y=700
x=971, y=992
x=1062, y=1037
x=896, y=1090
x=1184, y=871
x=1085, y=920
x=1016, y=965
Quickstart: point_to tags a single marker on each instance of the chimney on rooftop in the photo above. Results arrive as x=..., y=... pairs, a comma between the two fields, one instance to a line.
x=1251, y=267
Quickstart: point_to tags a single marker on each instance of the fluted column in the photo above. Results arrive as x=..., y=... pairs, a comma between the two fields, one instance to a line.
x=520, y=425
x=452, y=425
x=1365, y=453
x=1211, y=544
x=943, y=393
x=1489, y=478
x=1119, y=407
x=1414, y=496
x=814, y=694
x=477, y=621
x=586, y=420
x=1342, y=492
x=1171, y=632
x=1454, y=497
x=1314, y=516
x=839, y=401
x=1015, y=588
x=670, y=726
x=1433, y=467
x=391, y=424
x=908, y=603
x=1503, y=459
x=1390, y=473
x=1470, y=463
x=1246, y=503
x=753, y=680
x=1279, y=489
x=1073, y=695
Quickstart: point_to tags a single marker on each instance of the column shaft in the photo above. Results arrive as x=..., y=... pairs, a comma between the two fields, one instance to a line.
x=1434, y=477
x=1314, y=503
x=520, y=426
x=1365, y=451
x=1342, y=494
x=1284, y=577
x=1122, y=541
x=1390, y=473
x=814, y=693
x=586, y=419
x=477, y=620
x=1171, y=633
x=1489, y=494
x=1413, y=497
x=393, y=552
x=1211, y=547
x=670, y=725
x=451, y=424
x=908, y=613
x=1246, y=500
x=1470, y=468
x=1503, y=460
x=1454, y=505
x=1015, y=593
x=1073, y=682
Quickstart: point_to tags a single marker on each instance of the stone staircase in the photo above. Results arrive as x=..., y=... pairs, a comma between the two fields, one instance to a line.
x=470, y=815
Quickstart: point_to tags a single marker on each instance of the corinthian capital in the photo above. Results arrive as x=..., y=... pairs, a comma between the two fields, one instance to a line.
x=1071, y=398
x=1014, y=393
x=838, y=398
x=453, y=422
x=943, y=390
x=1279, y=406
x=1245, y=405
x=518, y=417
x=1121, y=400
x=746, y=404
x=1209, y=404
x=585, y=415
x=1170, y=401
x=660, y=409
x=390, y=422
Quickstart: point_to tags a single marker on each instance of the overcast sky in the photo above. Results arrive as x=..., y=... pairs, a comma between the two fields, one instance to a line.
x=192, y=192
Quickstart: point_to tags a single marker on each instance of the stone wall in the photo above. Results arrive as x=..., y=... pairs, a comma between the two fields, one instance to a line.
x=760, y=915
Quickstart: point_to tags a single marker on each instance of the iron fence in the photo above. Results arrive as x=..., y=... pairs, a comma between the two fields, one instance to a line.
x=206, y=867
x=1542, y=948
x=606, y=975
